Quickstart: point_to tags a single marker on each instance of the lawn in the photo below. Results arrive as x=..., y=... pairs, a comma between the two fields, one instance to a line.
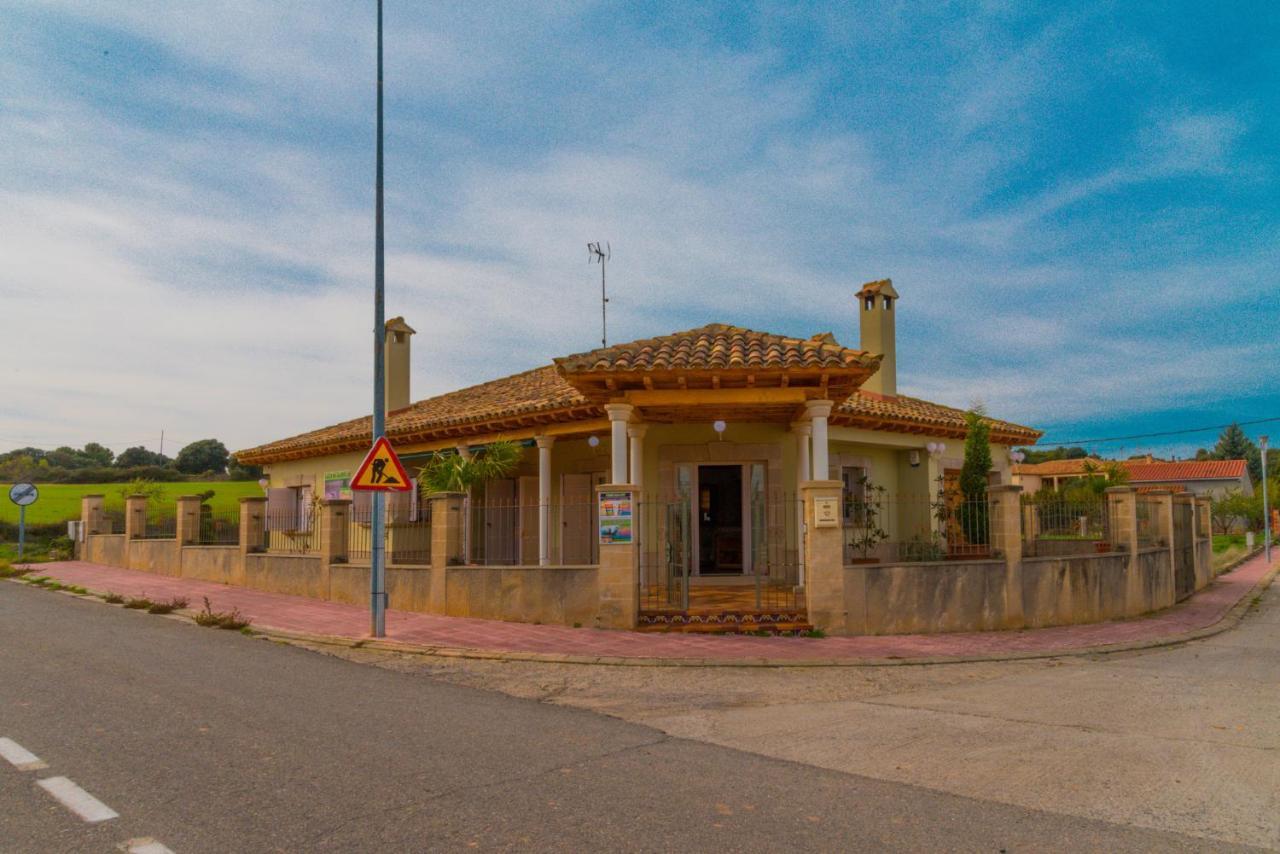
x=61, y=501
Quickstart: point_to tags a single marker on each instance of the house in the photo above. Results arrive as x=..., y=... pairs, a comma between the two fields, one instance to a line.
x=1214, y=478
x=714, y=428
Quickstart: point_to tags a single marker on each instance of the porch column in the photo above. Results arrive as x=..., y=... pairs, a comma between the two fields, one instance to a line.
x=544, y=498
x=636, y=433
x=803, y=432
x=619, y=415
x=818, y=411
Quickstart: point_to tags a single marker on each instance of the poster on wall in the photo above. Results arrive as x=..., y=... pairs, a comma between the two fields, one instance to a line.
x=615, y=517
x=337, y=484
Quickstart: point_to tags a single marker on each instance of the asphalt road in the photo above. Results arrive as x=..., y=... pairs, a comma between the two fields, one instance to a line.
x=206, y=740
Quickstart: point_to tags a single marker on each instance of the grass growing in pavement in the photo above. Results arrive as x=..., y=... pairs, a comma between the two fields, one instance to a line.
x=113, y=599
x=177, y=603
x=232, y=619
x=140, y=603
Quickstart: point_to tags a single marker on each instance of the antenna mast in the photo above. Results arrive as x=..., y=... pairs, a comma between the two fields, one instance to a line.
x=595, y=253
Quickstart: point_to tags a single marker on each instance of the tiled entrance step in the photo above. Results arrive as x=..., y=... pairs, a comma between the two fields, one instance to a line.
x=726, y=622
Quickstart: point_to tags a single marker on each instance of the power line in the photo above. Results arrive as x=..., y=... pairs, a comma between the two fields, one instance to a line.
x=1164, y=433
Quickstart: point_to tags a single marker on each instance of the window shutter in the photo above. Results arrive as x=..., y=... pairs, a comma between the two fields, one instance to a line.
x=280, y=509
x=305, y=508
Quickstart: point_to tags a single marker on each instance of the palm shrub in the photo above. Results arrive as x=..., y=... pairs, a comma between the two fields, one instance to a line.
x=449, y=471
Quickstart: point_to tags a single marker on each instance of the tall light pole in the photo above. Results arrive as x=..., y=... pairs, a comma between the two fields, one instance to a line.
x=377, y=569
x=1266, y=505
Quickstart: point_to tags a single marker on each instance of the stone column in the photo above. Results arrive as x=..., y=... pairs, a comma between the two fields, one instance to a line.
x=1005, y=507
x=818, y=411
x=1163, y=501
x=618, y=580
x=135, y=516
x=91, y=515
x=635, y=432
x=253, y=524
x=188, y=520
x=544, y=498
x=619, y=415
x=802, y=430
x=447, y=510
x=824, y=590
x=1122, y=510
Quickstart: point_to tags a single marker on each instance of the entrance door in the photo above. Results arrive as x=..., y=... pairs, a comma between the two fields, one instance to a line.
x=720, y=520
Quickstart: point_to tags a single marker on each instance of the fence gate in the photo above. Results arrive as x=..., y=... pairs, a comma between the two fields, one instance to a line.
x=1184, y=567
x=665, y=554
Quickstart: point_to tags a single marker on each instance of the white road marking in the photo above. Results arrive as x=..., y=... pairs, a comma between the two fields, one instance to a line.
x=19, y=757
x=77, y=800
x=146, y=846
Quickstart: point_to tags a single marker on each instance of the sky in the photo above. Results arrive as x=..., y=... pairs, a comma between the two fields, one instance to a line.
x=1078, y=203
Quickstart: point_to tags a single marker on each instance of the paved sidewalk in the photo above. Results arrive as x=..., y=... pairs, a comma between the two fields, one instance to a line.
x=295, y=614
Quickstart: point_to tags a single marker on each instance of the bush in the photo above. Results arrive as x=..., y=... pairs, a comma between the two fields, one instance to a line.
x=232, y=619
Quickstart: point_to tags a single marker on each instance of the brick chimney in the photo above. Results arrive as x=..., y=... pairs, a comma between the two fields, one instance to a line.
x=876, y=302
x=396, y=351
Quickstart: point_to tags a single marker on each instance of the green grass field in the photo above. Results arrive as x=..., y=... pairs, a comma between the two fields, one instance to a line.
x=61, y=501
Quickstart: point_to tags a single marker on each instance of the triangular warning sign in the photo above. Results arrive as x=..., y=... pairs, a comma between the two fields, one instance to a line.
x=381, y=470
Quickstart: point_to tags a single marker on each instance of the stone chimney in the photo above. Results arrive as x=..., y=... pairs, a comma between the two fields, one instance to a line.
x=876, y=302
x=396, y=351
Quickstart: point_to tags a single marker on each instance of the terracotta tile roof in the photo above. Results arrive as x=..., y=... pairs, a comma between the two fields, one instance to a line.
x=1144, y=472
x=535, y=391
x=867, y=407
x=1058, y=468
x=718, y=345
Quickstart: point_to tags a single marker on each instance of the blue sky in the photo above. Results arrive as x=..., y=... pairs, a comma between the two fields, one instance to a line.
x=1078, y=203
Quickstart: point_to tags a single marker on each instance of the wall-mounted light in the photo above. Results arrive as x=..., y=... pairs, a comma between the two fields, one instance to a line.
x=719, y=427
x=1016, y=456
x=913, y=457
x=264, y=483
x=936, y=449
x=593, y=441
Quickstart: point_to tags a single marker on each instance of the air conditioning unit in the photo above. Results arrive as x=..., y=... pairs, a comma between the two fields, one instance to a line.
x=75, y=530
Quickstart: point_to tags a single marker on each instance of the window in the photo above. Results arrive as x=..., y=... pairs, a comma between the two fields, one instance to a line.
x=854, y=492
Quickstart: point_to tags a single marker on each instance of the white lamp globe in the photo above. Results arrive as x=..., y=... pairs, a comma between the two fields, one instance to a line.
x=719, y=426
x=594, y=441
x=264, y=483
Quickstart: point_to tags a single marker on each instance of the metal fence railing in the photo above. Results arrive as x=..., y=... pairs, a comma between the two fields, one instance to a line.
x=1146, y=509
x=290, y=532
x=161, y=523
x=113, y=521
x=407, y=538
x=219, y=527
x=498, y=532
x=882, y=526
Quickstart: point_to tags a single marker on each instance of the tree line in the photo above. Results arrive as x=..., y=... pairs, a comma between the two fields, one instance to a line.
x=96, y=463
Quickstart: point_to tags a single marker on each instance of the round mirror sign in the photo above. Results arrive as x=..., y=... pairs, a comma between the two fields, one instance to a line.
x=23, y=494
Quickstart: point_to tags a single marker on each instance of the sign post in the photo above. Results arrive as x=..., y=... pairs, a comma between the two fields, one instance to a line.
x=380, y=472
x=23, y=494
x=378, y=527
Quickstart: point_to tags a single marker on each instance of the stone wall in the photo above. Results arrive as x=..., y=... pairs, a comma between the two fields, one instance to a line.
x=911, y=598
x=561, y=595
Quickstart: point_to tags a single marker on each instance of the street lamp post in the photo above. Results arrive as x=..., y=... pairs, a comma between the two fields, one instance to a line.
x=377, y=532
x=1266, y=504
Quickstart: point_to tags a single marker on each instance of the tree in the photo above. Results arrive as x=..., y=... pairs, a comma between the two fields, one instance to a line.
x=973, y=478
x=100, y=454
x=202, y=456
x=140, y=456
x=149, y=489
x=1044, y=455
x=447, y=471
x=239, y=471
x=1233, y=444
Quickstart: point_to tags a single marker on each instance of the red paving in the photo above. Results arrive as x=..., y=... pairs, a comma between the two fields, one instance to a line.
x=313, y=616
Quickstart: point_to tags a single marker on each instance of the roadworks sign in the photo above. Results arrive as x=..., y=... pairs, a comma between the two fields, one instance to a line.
x=381, y=470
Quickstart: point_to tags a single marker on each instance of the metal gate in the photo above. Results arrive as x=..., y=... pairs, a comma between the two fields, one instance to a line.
x=665, y=553
x=1184, y=567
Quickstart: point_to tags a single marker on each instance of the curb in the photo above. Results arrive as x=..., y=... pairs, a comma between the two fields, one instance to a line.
x=1229, y=620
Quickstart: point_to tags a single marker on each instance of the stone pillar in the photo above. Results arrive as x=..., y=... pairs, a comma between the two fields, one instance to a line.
x=253, y=524
x=447, y=510
x=335, y=520
x=544, y=498
x=802, y=431
x=91, y=515
x=188, y=520
x=1163, y=522
x=618, y=574
x=135, y=516
x=619, y=415
x=1005, y=508
x=1188, y=501
x=1122, y=511
x=824, y=590
x=1030, y=522
x=818, y=411
x=1204, y=516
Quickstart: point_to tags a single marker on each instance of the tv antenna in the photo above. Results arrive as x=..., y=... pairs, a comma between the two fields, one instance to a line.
x=594, y=254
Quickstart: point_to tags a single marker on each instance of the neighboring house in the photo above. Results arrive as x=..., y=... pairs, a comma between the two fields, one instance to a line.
x=715, y=427
x=1198, y=477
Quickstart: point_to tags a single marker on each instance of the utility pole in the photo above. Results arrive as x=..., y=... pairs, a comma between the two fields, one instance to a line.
x=377, y=569
x=1266, y=504
x=162, y=443
x=596, y=253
